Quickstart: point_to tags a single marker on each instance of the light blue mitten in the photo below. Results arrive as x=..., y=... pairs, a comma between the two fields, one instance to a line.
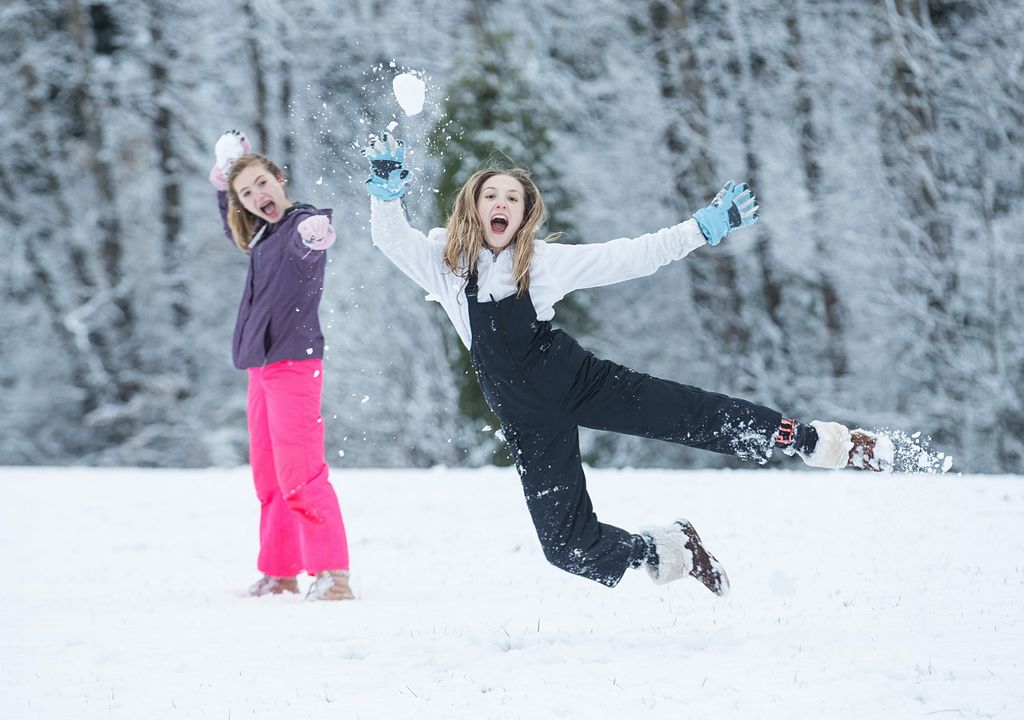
x=733, y=207
x=388, y=179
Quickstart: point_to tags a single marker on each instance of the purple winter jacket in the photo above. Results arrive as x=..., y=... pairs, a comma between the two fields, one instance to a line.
x=277, y=319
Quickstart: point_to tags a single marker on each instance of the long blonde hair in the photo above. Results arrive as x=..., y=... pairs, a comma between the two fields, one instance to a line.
x=466, y=233
x=242, y=222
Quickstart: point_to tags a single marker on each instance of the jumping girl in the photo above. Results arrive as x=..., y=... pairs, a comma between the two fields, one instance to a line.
x=277, y=339
x=499, y=283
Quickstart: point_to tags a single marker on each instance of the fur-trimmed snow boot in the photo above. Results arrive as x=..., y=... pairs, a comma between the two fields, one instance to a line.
x=871, y=451
x=839, y=447
x=677, y=551
x=330, y=585
x=269, y=585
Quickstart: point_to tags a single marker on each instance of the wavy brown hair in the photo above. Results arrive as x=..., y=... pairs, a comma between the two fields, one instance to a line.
x=242, y=222
x=466, y=233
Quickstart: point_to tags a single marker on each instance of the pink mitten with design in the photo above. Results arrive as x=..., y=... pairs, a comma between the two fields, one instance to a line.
x=317, y=233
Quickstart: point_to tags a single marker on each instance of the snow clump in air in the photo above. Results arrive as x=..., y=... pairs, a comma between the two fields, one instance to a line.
x=410, y=92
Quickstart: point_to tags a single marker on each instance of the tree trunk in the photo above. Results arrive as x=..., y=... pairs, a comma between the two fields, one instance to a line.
x=809, y=150
x=920, y=181
x=261, y=136
x=113, y=334
x=714, y=277
x=162, y=55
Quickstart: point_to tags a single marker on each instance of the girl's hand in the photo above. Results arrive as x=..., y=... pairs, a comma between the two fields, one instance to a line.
x=230, y=146
x=317, y=233
x=388, y=179
x=733, y=207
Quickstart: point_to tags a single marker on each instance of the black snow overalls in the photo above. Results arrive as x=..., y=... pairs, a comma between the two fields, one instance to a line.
x=543, y=386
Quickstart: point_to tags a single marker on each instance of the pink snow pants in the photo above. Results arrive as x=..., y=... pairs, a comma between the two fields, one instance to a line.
x=300, y=521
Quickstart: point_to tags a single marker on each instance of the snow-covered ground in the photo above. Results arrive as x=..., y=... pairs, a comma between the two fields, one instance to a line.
x=854, y=596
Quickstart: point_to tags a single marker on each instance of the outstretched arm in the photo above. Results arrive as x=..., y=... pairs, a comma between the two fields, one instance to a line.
x=584, y=266
x=596, y=264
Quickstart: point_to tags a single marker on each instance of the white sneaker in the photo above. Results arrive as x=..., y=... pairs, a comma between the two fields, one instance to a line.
x=269, y=585
x=330, y=585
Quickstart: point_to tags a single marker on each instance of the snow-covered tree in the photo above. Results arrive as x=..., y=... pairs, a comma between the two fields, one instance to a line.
x=881, y=287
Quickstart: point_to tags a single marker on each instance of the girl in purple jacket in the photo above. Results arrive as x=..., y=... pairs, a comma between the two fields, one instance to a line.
x=278, y=341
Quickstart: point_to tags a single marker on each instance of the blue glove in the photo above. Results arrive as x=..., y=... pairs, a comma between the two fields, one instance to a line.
x=733, y=207
x=388, y=179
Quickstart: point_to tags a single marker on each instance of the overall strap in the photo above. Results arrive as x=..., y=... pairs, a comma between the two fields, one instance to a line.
x=471, y=287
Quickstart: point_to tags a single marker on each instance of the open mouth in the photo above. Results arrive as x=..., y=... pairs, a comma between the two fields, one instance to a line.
x=269, y=208
x=499, y=224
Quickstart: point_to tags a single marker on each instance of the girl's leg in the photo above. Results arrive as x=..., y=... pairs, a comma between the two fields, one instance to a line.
x=280, y=553
x=608, y=396
x=548, y=461
x=297, y=437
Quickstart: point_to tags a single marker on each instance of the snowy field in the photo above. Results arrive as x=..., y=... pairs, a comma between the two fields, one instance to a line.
x=854, y=596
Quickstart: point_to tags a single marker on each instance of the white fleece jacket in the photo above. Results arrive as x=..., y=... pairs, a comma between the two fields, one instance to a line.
x=556, y=271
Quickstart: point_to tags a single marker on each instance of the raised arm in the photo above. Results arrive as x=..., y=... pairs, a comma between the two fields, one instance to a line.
x=419, y=257
x=230, y=146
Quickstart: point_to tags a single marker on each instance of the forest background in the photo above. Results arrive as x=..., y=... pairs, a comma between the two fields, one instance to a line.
x=883, y=285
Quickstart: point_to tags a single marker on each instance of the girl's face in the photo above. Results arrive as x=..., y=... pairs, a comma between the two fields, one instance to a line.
x=261, y=193
x=500, y=209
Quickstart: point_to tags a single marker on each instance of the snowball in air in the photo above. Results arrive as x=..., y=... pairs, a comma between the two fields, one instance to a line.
x=410, y=92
